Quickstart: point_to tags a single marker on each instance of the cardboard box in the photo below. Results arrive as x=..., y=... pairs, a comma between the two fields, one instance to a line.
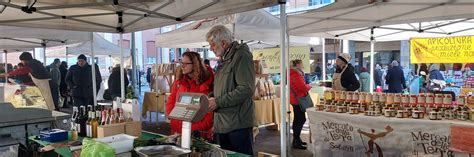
x=133, y=128
x=130, y=128
x=109, y=130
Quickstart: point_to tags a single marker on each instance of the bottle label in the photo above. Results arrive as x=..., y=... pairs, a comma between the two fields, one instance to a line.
x=88, y=130
x=78, y=128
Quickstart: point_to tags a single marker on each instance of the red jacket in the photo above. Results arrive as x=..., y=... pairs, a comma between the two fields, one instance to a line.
x=298, y=85
x=188, y=85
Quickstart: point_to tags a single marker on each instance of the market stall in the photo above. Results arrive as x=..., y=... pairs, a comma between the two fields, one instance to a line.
x=124, y=17
x=358, y=123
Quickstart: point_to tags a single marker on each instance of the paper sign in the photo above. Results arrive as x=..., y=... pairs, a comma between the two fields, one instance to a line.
x=272, y=57
x=452, y=49
x=462, y=139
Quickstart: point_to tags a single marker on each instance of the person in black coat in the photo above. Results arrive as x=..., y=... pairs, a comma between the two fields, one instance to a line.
x=348, y=80
x=79, y=80
x=114, y=82
x=395, y=79
x=63, y=85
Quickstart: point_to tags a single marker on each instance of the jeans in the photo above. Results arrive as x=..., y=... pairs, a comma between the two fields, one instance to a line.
x=54, y=93
x=240, y=140
x=298, y=122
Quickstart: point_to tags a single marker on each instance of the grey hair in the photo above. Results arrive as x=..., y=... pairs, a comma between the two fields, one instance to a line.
x=394, y=63
x=219, y=33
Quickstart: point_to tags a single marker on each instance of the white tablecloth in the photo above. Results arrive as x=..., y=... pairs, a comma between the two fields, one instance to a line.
x=337, y=134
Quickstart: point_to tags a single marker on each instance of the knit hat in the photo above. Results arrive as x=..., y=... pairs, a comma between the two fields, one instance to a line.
x=345, y=57
x=82, y=57
x=26, y=56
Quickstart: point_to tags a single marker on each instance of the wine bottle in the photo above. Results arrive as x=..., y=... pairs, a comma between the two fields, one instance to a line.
x=98, y=114
x=94, y=125
x=82, y=121
x=104, y=118
x=120, y=118
x=112, y=117
x=73, y=118
x=130, y=118
x=88, y=124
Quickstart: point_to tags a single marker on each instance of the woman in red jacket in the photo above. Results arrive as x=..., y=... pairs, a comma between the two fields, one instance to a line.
x=192, y=76
x=299, y=87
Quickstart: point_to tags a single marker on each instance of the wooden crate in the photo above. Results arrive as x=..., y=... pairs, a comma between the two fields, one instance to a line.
x=109, y=130
x=130, y=128
x=133, y=128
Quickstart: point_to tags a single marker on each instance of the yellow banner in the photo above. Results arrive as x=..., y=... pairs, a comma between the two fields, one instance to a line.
x=458, y=49
x=272, y=57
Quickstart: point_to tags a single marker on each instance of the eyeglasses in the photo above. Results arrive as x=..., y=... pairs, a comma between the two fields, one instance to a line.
x=184, y=63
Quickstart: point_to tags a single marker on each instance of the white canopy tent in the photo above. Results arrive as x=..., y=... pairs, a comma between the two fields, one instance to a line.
x=101, y=47
x=258, y=27
x=116, y=16
x=129, y=16
x=356, y=16
x=385, y=21
x=26, y=39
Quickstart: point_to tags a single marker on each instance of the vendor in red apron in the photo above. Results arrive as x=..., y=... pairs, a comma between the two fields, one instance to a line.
x=344, y=79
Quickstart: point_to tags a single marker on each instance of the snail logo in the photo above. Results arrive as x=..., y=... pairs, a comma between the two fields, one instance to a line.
x=369, y=149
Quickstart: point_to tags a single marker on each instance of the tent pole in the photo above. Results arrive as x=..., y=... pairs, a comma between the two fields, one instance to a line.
x=67, y=55
x=44, y=53
x=323, y=67
x=372, y=43
x=134, y=77
x=288, y=131
x=233, y=30
x=6, y=64
x=283, y=71
x=122, y=73
x=94, y=81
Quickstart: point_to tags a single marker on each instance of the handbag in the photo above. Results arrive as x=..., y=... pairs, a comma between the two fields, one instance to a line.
x=304, y=102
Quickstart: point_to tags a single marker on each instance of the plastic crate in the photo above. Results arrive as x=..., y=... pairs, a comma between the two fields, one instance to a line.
x=54, y=135
x=121, y=143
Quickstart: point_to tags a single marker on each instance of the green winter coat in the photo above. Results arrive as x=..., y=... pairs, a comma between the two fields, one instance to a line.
x=234, y=85
x=364, y=80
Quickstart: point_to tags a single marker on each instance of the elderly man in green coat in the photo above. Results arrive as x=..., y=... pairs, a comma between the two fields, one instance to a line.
x=234, y=85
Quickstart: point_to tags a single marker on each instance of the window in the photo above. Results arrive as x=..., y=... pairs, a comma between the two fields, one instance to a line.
x=172, y=55
x=314, y=2
x=318, y=2
x=151, y=60
x=275, y=8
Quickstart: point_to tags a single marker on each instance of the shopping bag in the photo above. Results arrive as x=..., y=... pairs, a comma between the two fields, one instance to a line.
x=92, y=148
x=304, y=102
x=129, y=106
